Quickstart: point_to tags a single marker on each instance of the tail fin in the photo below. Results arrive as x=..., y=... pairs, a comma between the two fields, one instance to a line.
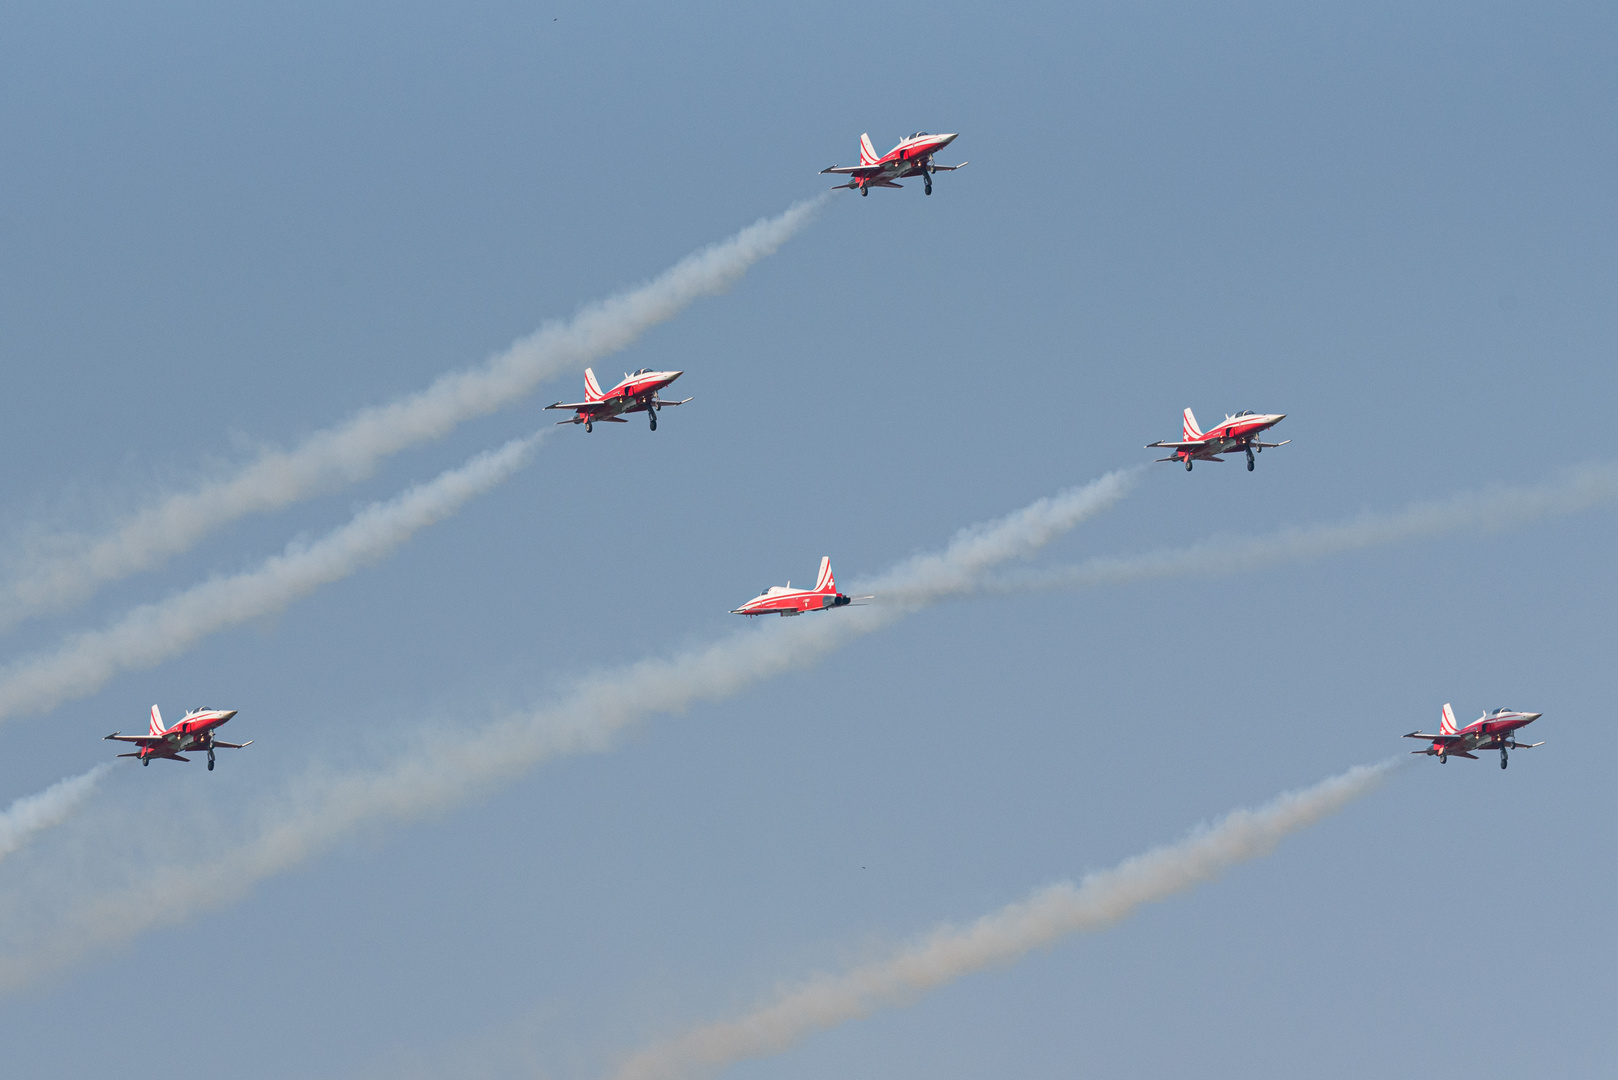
x=825, y=582
x=157, y=722
x=592, y=389
x=1192, y=431
x=1447, y=725
x=868, y=154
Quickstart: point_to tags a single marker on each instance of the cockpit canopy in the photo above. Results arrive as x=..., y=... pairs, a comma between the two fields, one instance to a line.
x=915, y=134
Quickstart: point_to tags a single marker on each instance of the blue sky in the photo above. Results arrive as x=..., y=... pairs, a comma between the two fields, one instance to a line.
x=226, y=229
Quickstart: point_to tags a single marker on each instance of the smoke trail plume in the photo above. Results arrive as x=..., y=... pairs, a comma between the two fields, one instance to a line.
x=34, y=813
x=156, y=632
x=444, y=769
x=1499, y=508
x=70, y=569
x=1100, y=900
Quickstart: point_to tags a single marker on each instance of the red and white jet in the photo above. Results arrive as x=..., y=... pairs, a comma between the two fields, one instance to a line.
x=785, y=600
x=193, y=731
x=637, y=393
x=1233, y=435
x=1492, y=731
x=912, y=157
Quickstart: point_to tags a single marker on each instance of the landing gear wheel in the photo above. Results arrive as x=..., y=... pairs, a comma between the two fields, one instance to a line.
x=1250, y=461
x=928, y=185
x=652, y=416
x=589, y=426
x=145, y=761
x=865, y=191
x=1187, y=464
x=210, y=761
x=1502, y=757
x=1443, y=759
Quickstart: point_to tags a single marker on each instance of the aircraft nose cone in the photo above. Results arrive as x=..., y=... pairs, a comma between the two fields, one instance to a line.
x=227, y=714
x=945, y=140
x=673, y=375
x=1533, y=716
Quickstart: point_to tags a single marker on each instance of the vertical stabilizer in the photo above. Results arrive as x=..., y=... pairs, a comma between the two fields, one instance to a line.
x=868, y=154
x=1192, y=431
x=157, y=722
x=825, y=582
x=1447, y=725
x=592, y=389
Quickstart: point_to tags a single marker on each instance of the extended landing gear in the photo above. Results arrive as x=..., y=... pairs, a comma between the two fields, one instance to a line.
x=589, y=426
x=1443, y=759
x=652, y=416
x=145, y=761
x=927, y=183
x=1187, y=464
x=865, y=191
x=210, y=759
x=1502, y=757
x=1249, y=459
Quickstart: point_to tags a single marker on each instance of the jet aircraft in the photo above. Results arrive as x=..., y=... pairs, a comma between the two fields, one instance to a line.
x=192, y=732
x=1235, y=434
x=912, y=157
x=785, y=600
x=1492, y=731
x=637, y=393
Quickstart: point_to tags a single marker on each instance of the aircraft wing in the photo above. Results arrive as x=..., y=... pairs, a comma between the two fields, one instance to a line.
x=579, y=406
x=853, y=170
x=666, y=401
x=1179, y=445
x=1433, y=738
x=1267, y=445
x=233, y=745
x=950, y=168
x=140, y=740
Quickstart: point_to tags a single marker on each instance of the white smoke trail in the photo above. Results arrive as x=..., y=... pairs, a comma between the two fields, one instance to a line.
x=1100, y=900
x=444, y=769
x=1489, y=510
x=156, y=632
x=34, y=813
x=69, y=569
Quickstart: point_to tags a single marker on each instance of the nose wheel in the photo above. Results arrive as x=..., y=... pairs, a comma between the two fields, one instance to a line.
x=652, y=416
x=1502, y=757
x=1249, y=459
x=210, y=760
x=927, y=184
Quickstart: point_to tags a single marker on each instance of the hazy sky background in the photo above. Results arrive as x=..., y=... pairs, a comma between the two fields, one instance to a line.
x=226, y=227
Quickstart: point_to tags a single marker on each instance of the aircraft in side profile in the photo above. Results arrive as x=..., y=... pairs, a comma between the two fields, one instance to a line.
x=1492, y=731
x=912, y=157
x=637, y=393
x=192, y=732
x=785, y=600
x=1235, y=434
